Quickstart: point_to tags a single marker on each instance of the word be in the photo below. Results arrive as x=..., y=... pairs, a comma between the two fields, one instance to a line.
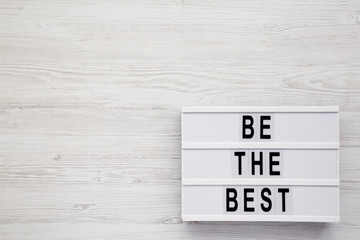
x=248, y=130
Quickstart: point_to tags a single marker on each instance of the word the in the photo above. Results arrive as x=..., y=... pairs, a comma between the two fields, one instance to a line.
x=257, y=159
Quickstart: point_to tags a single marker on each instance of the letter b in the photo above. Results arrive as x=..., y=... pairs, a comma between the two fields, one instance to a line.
x=231, y=199
x=247, y=124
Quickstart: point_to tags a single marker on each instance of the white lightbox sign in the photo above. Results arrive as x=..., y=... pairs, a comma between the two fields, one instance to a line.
x=260, y=164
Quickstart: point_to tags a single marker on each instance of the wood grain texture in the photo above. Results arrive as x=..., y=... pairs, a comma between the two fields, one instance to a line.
x=90, y=98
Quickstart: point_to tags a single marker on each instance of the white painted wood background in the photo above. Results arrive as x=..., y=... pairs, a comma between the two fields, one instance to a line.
x=90, y=98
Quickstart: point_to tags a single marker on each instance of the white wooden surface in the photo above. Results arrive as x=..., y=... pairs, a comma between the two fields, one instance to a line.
x=90, y=98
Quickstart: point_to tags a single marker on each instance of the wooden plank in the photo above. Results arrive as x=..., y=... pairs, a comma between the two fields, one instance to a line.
x=90, y=99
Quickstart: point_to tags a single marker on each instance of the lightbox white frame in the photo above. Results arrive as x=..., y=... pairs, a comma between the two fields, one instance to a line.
x=260, y=145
